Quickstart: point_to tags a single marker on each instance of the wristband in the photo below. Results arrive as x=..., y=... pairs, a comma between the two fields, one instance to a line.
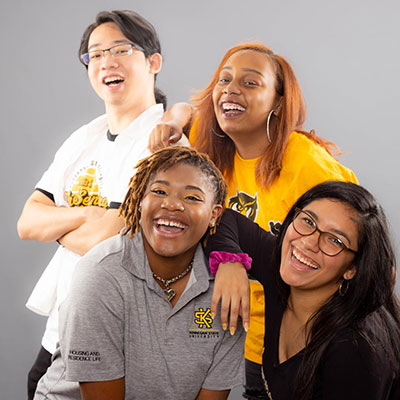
x=218, y=257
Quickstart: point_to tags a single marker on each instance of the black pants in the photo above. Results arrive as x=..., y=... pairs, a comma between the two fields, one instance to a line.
x=38, y=369
x=254, y=388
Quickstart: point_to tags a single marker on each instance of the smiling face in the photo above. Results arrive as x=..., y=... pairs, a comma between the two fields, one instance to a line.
x=304, y=266
x=126, y=81
x=245, y=94
x=177, y=208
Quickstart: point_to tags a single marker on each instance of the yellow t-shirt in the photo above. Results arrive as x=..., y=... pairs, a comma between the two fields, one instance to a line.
x=304, y=165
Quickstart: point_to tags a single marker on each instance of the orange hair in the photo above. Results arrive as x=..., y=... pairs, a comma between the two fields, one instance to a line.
x=289, y=116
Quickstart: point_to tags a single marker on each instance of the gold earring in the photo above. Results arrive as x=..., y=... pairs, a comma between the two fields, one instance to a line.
x=212, y=228
x=343, y=288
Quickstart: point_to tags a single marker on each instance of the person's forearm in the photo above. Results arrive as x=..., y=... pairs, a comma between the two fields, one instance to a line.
x=89, y=234
x=180, y=113
x=205, y=394
x=237, y=234
x=176, y=121
x=43, y=221
x=109, y=390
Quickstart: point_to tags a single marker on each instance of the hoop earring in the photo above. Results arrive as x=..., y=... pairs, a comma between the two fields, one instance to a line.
x=268, y=119
x=343, y=288
x=217, y=134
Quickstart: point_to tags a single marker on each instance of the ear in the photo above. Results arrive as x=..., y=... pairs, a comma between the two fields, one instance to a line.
x=278, y=105
x=216, y=212
x=349, y=274
x=155, y=61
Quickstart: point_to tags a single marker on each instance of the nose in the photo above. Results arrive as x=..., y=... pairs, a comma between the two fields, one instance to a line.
x=172, y=203
x=108, y=60
x=232, y=88
x=311, y=242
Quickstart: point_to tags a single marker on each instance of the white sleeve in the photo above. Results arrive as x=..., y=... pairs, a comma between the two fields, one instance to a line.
x=52, y=180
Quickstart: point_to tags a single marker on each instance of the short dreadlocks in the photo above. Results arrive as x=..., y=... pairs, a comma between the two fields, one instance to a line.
x=161, y=161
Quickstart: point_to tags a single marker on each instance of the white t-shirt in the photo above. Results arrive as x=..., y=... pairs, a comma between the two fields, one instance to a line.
x=88, y=169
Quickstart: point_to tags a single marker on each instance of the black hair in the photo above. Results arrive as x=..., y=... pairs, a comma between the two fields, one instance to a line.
x=370, y=305
x=135, y=28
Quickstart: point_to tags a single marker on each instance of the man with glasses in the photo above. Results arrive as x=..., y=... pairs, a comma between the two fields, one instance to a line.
x=76, y=201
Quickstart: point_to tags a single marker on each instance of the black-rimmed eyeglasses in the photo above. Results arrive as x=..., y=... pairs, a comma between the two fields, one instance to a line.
x=119, y=50
x=305, y=225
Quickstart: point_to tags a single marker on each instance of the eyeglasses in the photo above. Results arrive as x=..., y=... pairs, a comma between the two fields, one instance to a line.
x=305, y=225
x=119, y=50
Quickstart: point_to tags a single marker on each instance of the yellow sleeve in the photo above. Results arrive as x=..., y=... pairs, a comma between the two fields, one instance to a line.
x=310, y=164
x=192, y=132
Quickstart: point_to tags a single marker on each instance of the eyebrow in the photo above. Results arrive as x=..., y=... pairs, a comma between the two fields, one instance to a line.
x=337, y=231
x=246, y=70
x=115, y=42
x=190, y=187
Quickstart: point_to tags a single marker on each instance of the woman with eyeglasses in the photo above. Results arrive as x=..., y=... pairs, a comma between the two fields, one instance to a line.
x=76, y=201
x=332, y=317
x=249, y=120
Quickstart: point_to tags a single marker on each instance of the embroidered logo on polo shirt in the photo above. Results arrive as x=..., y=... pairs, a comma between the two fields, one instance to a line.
x=85, y=189
x=203, y=318
x=244, y=204
x=203, y=325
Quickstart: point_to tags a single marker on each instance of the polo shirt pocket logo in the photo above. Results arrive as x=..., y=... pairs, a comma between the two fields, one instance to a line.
x=203, y=318
x=203, y=322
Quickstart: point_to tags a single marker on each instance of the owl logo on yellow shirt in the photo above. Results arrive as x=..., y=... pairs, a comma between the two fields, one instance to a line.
x=244, y=204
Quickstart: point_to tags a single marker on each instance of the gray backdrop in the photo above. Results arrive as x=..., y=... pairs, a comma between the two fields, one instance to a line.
x=345, y=54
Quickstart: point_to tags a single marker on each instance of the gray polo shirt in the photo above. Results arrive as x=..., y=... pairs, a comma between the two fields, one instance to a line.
x=117, y=322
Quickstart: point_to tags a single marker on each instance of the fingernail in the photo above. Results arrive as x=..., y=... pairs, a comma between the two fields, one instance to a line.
x=232, y=330
x=246, y=326
x=224, y=326
x=212, y=315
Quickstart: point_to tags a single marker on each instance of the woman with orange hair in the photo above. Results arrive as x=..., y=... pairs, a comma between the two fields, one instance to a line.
x=249, y=120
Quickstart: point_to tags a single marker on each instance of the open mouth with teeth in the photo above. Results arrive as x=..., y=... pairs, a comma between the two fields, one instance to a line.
x=232, y=109
x=113, y=80
x=169, y=226
x=302, y=262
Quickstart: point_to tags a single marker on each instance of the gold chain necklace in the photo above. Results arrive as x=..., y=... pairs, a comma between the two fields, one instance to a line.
x=166, y=282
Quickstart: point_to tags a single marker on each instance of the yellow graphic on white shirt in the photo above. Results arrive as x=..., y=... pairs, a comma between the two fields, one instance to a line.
x=85, y=190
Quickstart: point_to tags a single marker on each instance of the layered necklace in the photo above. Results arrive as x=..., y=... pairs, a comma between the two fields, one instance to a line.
x=166, y=282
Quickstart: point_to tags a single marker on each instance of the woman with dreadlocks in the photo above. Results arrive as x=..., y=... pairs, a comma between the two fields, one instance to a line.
x=137, y=322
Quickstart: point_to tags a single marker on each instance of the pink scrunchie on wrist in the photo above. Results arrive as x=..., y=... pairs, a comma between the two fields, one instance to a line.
x=218, y=257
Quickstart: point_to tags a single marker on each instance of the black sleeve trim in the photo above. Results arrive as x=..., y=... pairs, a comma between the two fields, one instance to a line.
x=46, y=193
x=114, y=205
